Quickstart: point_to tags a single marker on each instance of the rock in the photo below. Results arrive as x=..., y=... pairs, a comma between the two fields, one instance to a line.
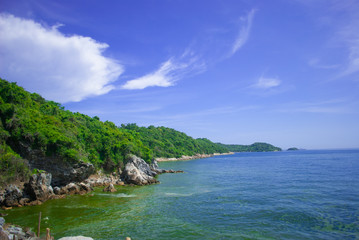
x=39, y=187
x=120, y=183
x=8, y=232
x=2, y=197
x=34, y=203
x=110, y=188
x=57, y=190
x=72, y=188
x=84, y=188
x=24, y=201
x=138, y=172
x=3, y=235
x=154, y=167
x=63, y=172
x=12, y=196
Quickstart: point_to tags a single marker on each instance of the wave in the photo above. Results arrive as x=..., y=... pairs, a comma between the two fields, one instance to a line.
x=119, y=195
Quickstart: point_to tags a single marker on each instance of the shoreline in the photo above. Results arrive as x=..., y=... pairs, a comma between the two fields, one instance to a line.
x=187, y=158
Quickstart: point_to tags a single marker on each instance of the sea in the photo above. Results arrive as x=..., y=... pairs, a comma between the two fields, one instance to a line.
x=305, y=194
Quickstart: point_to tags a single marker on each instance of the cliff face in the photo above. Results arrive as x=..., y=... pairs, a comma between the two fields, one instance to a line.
x=63, y=171
x=75, y=179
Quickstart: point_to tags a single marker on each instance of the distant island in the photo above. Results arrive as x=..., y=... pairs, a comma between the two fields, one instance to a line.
x=292, y=149
x=255, y=147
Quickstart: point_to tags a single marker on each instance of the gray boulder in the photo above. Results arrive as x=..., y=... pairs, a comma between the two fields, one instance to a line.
x=72, y=188
x=110, y=188
x=12, y=196
x=154, y=167
x=138, y=172
x=39, y=187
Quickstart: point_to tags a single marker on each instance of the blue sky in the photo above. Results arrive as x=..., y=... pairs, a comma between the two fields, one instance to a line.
x=283, y=72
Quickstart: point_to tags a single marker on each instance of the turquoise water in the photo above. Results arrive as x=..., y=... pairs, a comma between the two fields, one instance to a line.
x=278, y=195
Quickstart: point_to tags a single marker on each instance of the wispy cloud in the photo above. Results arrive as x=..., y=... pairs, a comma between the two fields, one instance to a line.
x=59, y=67
x=331, y=106
x=193, y=62
x=266, y=83
x=169, y=72
x=352, y=40
x=244, y=31
x=315, y=63
x=345, y=33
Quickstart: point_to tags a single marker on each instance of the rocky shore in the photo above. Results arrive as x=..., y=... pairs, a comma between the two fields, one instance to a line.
x=197, y=156
x=42, y=187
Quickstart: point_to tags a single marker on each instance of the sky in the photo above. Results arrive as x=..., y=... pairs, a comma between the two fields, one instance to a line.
x=233, y=71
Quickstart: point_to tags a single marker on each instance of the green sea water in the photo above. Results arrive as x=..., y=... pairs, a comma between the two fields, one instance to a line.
x=277, y=195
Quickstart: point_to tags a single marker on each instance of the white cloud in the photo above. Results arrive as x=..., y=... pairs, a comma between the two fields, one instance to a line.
x=168, y=73
x=59, y=67
x=266, y=83
x=244, y=31
x=160, y=78
x=315, y=63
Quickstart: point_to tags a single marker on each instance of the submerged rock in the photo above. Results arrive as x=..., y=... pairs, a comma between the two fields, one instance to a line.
x=110, y=188
x=138, y=172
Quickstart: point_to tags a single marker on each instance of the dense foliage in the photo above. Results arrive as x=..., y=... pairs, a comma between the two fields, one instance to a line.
x=12, y=166
x=167, y=142
x=255, y=147
x=29, y=121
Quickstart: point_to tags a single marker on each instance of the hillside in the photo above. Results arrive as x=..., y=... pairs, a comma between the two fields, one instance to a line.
x=34, y=130
x=167, y=142
x=255, y=147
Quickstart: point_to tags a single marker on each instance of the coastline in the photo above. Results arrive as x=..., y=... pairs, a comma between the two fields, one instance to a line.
x=187, y=158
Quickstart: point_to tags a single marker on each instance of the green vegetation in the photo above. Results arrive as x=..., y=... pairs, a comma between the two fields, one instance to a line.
x=12, y=166
x=167, y=142
x=292, y=149
x=255, y=147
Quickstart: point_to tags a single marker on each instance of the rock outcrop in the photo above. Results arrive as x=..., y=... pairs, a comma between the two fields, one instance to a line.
x=63, y=172
x=138, y=172
x=154, y=167
x=12, y=196
x=39, y=187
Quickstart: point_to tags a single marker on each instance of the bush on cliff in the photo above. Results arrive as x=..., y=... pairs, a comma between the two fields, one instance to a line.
x=12, y=166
